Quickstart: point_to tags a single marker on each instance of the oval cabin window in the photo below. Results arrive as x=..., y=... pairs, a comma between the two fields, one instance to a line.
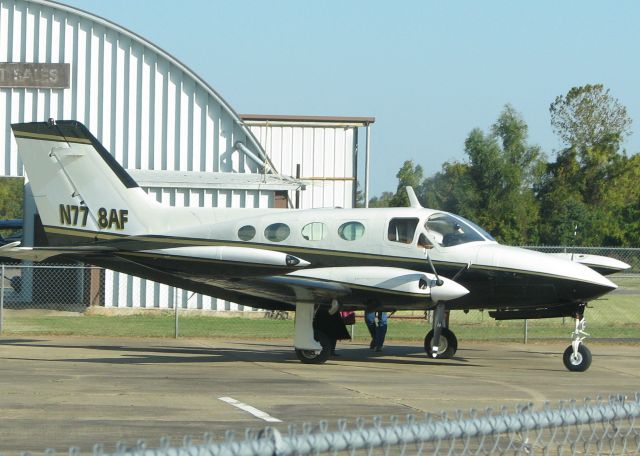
x=351, y=231
x=246, y=233
x=315, y=231
x=277, y=232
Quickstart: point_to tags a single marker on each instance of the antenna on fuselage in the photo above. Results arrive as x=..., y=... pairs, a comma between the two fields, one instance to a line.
x=413, y=199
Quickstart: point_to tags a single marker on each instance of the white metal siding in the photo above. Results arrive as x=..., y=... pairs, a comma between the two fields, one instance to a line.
x=325, y=155
x=146, y=108
x=153, y=113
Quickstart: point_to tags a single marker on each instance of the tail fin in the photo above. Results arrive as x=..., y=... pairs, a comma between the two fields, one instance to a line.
x=80, y=190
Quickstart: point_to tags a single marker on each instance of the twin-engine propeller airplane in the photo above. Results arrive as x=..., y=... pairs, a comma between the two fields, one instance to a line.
x=315, y=261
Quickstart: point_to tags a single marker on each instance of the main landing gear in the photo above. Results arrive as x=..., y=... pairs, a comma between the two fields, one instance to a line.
x=316, y=356
x=440, y=342
x=316, y=332
x=577, y=357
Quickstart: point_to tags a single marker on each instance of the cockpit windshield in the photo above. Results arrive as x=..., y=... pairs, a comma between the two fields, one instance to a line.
x=448, y=230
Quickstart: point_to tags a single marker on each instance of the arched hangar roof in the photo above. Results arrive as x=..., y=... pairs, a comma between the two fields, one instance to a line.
x=149, y=109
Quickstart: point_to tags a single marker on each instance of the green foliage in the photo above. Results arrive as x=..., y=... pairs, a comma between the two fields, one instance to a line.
x=11, y=201
x=592, y=185
x=590, y=194
x=408, y=176
x=383, y=201
x=11, y=197
x=588, y=116
x=495, y=188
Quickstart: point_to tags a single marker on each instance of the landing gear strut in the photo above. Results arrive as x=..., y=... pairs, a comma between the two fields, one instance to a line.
x=577, y=357
x=316, y=333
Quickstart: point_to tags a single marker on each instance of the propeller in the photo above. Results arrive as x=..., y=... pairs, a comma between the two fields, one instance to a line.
x=439, y=281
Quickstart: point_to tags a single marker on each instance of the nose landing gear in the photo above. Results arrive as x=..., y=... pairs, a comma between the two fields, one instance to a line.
x=440, y=342
x=577, y=357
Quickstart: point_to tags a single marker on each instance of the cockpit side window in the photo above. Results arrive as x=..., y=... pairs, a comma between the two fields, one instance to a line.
x=424, y=242
x=448, y=231
x=402, y=230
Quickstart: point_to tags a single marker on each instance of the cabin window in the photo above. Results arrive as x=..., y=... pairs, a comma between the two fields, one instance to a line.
x=277, y=232
x=402, y=230
x=424, y=242
x=246, y=233
x=315, y=231
x=448, y=230
x=351, y=231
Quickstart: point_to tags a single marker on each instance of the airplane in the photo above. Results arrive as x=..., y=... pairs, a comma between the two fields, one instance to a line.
x=315, y=262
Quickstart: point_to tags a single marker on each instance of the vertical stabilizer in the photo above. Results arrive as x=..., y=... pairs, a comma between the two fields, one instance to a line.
x=80, y=190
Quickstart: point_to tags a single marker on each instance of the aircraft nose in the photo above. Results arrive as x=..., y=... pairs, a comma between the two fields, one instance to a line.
x=572, y=281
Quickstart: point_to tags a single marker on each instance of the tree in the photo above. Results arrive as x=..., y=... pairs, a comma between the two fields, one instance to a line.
x=588, y=116
x=452, y=190
x=11, y=197
x=592, y=184
x=11, y=200
x=383, y=201
x=409, y=175
x=495, y=188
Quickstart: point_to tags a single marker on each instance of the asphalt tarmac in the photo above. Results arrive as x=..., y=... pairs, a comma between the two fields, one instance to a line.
x=60, y=392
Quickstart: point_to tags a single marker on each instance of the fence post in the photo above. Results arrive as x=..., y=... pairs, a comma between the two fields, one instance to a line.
x=2, y=301
x=175, y=309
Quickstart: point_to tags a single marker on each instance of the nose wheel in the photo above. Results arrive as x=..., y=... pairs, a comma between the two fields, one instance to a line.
x=577, y=357
x=579, y=361
x=447, y=345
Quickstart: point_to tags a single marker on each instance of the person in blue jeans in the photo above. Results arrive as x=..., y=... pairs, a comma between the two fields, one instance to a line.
x=378, y=331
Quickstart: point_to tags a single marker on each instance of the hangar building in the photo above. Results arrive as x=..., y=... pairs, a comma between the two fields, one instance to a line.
x=171, y=130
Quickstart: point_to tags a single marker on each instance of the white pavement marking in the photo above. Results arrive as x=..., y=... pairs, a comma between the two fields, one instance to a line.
x=247, y=408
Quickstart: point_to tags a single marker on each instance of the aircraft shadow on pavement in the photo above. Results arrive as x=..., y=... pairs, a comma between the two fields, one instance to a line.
x=393, y=355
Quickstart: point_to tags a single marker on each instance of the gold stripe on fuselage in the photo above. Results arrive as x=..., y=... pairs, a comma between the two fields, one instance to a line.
x=197, y=242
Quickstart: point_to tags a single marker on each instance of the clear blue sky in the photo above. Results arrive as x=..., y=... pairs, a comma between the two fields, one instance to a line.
x=428, y=71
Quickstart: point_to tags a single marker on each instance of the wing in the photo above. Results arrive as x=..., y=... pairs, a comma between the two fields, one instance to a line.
x=259, y=277
x=354, y=287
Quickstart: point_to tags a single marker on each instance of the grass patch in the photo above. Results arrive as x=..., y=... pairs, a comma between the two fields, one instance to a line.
x=617, y=316
x=472, y=326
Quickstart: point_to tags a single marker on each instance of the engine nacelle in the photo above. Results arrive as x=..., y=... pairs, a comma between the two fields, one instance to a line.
x=393, y=279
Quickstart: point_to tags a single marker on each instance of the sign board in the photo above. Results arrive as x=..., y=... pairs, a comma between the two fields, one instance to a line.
x=35, y=75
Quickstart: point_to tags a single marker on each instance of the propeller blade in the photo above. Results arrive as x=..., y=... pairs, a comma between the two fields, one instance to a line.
x=439, y=281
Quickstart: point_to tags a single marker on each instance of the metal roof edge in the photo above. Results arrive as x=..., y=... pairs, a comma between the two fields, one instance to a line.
x=253, y=119
x=143, y=41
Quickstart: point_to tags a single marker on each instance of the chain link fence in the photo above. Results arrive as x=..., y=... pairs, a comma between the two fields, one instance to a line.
x=594, y=427
x=34, y=298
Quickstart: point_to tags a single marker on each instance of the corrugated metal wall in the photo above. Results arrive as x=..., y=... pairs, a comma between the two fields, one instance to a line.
x=146, y=108
x=153, y=113
x=326, y=155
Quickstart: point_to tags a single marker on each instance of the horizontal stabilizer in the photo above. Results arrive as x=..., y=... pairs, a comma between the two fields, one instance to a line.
x=13, y=250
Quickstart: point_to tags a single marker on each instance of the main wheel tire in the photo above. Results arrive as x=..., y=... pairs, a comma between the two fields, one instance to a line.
x=446, y=348
x=314, y=357
x=578, y=363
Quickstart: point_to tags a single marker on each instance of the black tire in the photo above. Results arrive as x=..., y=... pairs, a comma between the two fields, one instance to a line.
x=581, y=362
x=446, y=348
x=313, y=357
